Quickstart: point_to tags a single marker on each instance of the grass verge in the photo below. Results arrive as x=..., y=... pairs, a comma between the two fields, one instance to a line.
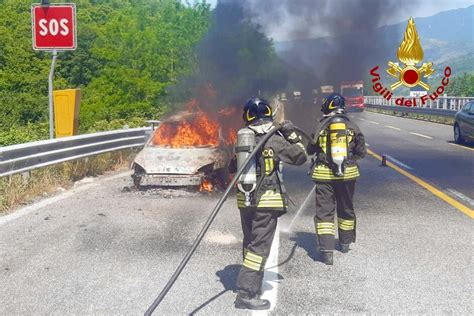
x=24, y=188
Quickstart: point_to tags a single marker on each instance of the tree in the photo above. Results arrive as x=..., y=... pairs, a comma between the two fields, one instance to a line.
x=461, y=86
x=128, y=53
x=143, y=49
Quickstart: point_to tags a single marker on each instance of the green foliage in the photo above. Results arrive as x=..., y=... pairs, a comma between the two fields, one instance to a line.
x=461, y=86
x=128, y=53
x=143, y=48
x=135, y=60
x=24, y=133
x=105, y=125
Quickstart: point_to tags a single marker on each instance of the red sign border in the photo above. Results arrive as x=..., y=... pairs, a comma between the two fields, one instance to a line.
x=67, y=5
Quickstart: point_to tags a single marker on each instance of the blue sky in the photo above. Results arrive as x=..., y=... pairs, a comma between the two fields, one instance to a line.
x=426, y=8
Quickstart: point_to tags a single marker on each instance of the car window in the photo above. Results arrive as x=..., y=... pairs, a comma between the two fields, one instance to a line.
x=467, y=107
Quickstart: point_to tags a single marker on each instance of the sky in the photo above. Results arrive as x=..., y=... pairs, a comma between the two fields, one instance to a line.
x=426, y=8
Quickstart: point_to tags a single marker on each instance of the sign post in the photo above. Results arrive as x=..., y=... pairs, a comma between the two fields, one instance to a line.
x=54, y=30
x=50, y=94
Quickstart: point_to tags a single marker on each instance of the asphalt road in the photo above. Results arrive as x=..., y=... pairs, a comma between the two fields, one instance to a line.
x=425, y=149
x=104, y=251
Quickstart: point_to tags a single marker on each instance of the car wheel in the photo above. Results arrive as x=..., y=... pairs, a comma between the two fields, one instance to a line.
x=458, y=139
x=137, y=176
x=222, y=177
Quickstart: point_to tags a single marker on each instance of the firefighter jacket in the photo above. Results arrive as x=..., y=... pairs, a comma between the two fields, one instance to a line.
x=323, y=168
x=270, y=193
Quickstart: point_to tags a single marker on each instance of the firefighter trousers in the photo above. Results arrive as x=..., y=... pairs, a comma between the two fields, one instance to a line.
x=258, y=229
x=332, y=196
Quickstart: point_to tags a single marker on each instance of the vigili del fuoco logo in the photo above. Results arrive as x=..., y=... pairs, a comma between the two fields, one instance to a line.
x=410, y=73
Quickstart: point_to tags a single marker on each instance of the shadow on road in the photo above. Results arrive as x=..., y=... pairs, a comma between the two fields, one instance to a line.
x=307, y=241
x=466, y=144
x=228, y=278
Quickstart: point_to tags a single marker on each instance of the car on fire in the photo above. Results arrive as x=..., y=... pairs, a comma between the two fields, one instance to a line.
x=185, y=150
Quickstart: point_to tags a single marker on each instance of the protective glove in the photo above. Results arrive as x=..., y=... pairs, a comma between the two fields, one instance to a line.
x=288, y=131
x=322, y=157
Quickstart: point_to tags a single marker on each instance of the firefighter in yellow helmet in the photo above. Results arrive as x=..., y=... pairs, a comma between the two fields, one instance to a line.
x=337, y=144
x=261, y=195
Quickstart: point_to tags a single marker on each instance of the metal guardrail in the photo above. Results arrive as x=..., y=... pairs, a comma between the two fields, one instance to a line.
x=25, y=157
x=441, y=103
x=421, y=111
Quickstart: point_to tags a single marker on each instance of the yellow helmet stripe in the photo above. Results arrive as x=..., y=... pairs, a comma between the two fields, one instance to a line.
x=269, y=111
x=249, y=118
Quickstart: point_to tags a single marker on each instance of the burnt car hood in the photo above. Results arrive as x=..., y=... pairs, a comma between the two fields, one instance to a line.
x=185, y=161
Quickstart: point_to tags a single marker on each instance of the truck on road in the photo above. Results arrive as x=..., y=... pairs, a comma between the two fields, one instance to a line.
x=353, y=92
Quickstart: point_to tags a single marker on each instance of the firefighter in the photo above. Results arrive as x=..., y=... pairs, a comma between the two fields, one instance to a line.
x=265, y=198
x=337, y=145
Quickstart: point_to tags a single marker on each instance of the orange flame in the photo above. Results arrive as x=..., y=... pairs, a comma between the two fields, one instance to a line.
x=195, y=128
x=206, y=185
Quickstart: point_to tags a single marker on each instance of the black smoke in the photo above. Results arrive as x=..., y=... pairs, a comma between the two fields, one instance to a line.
x=351, y=38
x=236, y=59
x=329, y=41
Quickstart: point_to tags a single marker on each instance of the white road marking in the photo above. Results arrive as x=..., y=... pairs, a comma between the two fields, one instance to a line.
x=359, y=118
x=271, y=276
x=461, y=196
x=376, y=123
x=393, y=127
x=398, y=162
x=421, y=135
x=302, y=207
x=461, y=146
x=43, y=203
x=367, y=145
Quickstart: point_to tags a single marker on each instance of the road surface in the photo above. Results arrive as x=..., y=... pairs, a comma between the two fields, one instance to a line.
x=103, y=250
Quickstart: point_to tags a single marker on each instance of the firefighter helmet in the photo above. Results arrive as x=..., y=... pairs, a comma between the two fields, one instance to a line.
x=333, y=102
x=257, y=110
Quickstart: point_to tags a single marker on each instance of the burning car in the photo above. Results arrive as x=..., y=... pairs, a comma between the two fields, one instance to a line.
x=189, y=149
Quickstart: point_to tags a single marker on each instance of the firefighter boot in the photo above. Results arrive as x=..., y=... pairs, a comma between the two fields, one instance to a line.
x=344, y=248
x=253, y=302
x=327, y=257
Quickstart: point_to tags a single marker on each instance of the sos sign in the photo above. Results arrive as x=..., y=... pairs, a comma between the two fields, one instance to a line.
x=54, y=27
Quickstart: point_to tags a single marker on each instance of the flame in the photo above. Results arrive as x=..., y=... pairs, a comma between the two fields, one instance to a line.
x=206, y=185
x=410, y=51
x=199, y=131
x=231, y=138
x=195, y=128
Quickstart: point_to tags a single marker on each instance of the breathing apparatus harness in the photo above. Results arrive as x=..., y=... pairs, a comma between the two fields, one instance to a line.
x=337, y=144
x=255, y=173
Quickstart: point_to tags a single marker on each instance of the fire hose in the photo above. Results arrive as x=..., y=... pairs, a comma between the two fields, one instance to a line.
x=211, y=218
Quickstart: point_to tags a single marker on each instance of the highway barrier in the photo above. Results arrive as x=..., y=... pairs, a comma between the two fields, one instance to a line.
x=441, y=110
x=25, y=157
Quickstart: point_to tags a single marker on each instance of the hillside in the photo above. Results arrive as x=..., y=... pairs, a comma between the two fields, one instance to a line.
x=446, y=38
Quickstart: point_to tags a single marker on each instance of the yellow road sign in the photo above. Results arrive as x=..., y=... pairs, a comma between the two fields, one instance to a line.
x=66, y=112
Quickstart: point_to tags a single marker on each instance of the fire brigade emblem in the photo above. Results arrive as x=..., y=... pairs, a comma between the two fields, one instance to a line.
x=410, y=53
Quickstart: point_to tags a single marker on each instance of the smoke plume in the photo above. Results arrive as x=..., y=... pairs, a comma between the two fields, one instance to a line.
x=350, y=37
x=328, y=41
